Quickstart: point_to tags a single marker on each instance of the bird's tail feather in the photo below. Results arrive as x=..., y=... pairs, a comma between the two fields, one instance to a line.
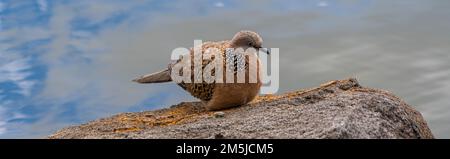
x=157, y=77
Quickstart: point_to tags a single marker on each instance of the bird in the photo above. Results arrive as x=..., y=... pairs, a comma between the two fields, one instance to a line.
x=221, y=95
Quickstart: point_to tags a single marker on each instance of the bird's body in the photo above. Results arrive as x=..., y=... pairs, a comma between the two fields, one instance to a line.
x=221, y=95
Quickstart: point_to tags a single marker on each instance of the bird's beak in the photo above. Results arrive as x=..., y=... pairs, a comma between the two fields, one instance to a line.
x=265, y=50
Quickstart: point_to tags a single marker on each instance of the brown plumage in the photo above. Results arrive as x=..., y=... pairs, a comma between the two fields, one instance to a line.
x=220, y=95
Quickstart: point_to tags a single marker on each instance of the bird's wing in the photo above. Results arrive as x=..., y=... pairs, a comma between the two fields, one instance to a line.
x=203, y=90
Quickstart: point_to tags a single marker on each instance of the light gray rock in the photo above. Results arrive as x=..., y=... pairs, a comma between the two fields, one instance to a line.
x=338, y=109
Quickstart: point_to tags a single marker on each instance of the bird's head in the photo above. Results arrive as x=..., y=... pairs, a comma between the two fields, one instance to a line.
x=247, y=39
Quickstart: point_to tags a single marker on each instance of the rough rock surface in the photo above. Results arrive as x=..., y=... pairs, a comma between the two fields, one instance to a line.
x=337, y=109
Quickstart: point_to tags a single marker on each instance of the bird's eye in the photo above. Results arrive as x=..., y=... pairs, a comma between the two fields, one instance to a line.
x=250, y=44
